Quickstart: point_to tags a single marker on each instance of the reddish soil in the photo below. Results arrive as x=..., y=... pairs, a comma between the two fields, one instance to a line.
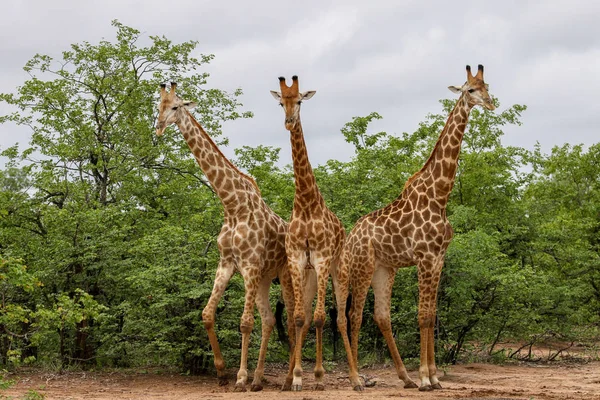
x=473, y=381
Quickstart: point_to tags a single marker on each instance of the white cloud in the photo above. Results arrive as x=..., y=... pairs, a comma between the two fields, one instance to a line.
x=311, y=38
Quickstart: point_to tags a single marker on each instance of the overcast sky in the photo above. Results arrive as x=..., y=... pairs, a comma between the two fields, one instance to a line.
x=393, y=57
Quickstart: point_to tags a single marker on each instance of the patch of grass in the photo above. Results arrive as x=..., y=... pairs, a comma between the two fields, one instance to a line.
x=5, y=383
x=34, y=395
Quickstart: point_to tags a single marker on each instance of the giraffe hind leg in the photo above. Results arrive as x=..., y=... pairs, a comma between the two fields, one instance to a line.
x=251, y=282
x=267, y=323
x=224, y=272
x=340, y=289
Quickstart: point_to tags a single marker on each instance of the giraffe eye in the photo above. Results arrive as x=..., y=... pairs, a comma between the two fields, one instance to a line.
x=281, y=104
x=471, y=90
x=300, y=102
x=175, y=108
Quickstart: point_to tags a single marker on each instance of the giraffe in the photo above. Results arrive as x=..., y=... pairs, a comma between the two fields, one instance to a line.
x=412, y=230
x=251, y=241
x=313, y=243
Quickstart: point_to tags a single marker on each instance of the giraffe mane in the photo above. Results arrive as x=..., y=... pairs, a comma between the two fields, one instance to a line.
x=424, y=167
x=431, y=156
x=214, y=146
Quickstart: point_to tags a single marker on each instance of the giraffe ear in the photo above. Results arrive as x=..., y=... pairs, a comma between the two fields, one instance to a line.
x=190, y=104
x=455, y=89
x=276, y=95
x=308, y=95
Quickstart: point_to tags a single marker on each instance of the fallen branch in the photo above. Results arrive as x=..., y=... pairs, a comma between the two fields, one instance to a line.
x=553, y=357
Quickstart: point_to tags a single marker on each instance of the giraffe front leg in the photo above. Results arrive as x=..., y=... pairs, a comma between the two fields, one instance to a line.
x=360, y=288
x=251, y=281
x=429, y=275
x=224, y=272
x=359, y=296
x=382, y=283
x=287, y=291
x=297, y=262
x=309, y=291
x=267, y=322
x=319, y=318
x=435, y=383
x=424, y=368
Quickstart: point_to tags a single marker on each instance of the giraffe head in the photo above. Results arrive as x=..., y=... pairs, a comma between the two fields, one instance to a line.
x=475, y=90
x=170, y=108
x=290, y=99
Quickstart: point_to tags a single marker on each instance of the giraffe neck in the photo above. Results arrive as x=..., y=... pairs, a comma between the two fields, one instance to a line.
x=228, y=182
x=442, y=164
x=306, y=184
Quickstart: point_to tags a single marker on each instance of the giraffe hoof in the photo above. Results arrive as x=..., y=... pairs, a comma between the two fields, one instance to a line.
x=436, y=386
x=256, y=387
x=296, y=388
x=358, y=388
x=425, y=388
x=287, y=386
x=410, y=385
x=239, y=387
x=223, y=381
x=319, y=387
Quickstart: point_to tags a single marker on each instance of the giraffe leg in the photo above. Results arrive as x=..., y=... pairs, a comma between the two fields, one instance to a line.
x=360, y=282
x=224, y=272
x=297, y=264
x=359, y=296
x=382, y=283
x=435, y=383
x=322, y=269
x=250, y=274
x=267, y=323
x=299, y=316
x=429, y=276
x=310, y=289
x=340, y=288
x=287, y=291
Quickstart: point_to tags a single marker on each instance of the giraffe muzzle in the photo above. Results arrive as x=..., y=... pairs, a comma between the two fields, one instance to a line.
x=290, y=123
x=160, y=129
x=489, y=105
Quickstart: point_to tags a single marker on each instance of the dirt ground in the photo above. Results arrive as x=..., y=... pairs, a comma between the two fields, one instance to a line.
x=473, y=381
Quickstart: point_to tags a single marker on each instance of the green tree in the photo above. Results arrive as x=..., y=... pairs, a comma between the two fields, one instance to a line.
x=105, y=207
x=563, y=201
